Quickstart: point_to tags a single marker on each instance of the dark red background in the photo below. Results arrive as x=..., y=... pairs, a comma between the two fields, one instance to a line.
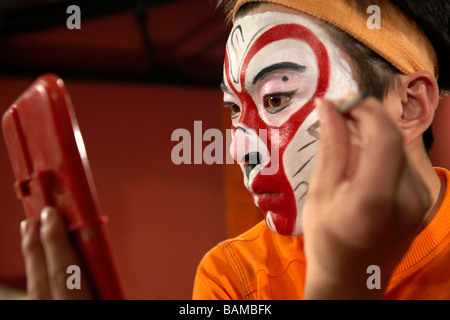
x=130, y=94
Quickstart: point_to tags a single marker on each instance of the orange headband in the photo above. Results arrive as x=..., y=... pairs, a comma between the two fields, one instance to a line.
x=399, y=40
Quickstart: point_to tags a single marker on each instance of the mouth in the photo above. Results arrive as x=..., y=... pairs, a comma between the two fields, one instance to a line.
x=262, y=187
x=267, y=200
x=266, y=194
x=259, y=190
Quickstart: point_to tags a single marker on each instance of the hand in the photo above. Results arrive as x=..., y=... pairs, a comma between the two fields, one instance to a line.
x=48, y=252
x=365, y=203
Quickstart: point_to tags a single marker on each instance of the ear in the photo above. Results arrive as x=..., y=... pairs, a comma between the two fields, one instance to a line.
x=419, y=97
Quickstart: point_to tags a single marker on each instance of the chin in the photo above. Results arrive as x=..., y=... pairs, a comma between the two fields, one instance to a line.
x=284, y=223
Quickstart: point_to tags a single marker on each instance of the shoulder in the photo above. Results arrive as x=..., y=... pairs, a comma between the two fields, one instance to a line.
x=224, y=271
x=231, y=267
x=248, y=247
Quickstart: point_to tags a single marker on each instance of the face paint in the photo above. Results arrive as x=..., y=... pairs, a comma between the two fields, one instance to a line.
x=275, y=65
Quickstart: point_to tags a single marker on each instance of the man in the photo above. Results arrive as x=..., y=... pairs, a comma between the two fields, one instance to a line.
x=366, y=199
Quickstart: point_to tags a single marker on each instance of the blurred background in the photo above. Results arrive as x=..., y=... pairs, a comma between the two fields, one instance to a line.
x=136, y=71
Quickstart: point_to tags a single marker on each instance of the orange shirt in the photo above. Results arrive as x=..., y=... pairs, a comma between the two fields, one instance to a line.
x=261, y=264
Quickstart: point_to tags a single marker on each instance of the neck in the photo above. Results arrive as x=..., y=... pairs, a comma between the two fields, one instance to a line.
x=425, y=169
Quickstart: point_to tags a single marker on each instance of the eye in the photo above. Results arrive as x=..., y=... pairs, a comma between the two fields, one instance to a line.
x=276, y=102
x=235, y=109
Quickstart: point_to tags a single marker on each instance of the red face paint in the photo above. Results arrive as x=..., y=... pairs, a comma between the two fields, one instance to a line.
x=274, y=193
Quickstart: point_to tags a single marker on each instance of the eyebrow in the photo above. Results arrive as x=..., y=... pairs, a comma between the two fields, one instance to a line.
x=224, y=87
x=276, y=67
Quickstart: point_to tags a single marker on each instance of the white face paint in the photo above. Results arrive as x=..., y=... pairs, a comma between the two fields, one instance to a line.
x=276, y=64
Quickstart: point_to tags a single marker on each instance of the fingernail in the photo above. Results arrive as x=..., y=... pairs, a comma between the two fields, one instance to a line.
x=46, y=215
x=23, y=227
x=317, y=102
x=321, y=109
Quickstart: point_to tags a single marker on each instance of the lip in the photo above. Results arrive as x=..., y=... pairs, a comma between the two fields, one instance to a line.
x=258, y=190
x=266, y=194
x=267, y=200
x=260, y=185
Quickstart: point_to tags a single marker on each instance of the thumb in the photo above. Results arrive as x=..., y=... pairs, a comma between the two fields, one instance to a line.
x=333, y=148
x=60, y=253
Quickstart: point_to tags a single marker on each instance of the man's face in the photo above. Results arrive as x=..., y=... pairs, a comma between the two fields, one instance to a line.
x=275, y=65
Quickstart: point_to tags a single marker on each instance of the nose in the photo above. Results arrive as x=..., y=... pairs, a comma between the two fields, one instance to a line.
x=243, y=143
x=248, y=149
x=251, y=159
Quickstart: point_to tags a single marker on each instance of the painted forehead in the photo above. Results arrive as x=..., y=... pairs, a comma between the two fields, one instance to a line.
x=289, y=53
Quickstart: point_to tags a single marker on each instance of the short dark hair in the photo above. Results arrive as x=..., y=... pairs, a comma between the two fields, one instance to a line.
x=374, y=74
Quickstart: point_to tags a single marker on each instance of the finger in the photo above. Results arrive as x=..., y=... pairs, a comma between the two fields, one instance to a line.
x=35, y=265
x=382, y=156
x=60, y=254
x=333, y=149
